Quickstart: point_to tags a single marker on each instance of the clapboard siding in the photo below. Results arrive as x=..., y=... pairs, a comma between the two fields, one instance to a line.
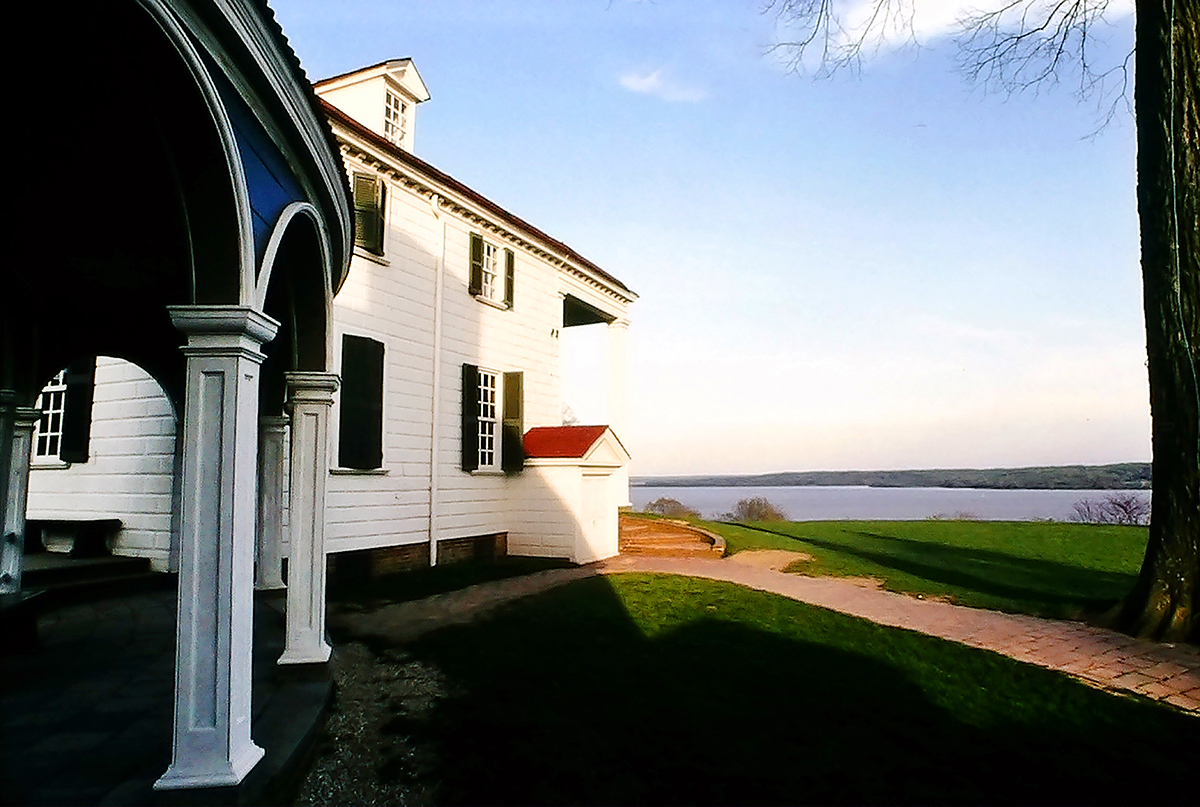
x=130, y=465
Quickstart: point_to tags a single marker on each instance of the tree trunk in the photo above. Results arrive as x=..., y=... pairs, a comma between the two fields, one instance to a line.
x=1163, y=605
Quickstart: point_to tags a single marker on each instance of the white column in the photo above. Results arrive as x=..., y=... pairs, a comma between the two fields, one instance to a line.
x=268, y=558
x=214, y=626
x=618, y=349
x=16, y=444
x=310, y=396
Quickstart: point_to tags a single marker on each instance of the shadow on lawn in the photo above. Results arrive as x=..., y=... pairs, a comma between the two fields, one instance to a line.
x=1055, y=589
x=563, y=699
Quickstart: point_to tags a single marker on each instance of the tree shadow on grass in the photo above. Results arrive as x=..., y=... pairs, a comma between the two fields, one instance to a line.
x=563, y=699
x=1055, y=588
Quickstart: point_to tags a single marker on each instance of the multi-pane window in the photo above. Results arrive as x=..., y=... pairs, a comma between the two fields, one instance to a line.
x=48, y=431
x=493, y=420
x=394, y=114
x=493, y=271
x=487, y=419
x=490, y=252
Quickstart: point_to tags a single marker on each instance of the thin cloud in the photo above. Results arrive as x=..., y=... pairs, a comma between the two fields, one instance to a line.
x=654, y=83
x=925, y=21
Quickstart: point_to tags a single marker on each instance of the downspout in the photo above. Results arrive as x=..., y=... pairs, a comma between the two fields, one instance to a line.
x=436, y=403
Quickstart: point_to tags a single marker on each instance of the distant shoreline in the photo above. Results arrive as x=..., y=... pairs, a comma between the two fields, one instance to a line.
x=1119, y=476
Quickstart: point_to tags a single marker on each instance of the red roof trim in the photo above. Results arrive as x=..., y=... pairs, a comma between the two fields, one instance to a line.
x=400, y=155
x=562, y=442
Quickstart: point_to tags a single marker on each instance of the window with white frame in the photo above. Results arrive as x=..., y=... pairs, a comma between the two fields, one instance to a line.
x=493, y=420
x=493, y=272
x=395, y=112
x=48, y=431
x=487, y=420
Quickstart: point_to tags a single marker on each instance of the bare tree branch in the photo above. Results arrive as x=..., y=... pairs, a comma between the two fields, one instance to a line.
x=1019, y=46
x=820, y=24
x=1028, y=44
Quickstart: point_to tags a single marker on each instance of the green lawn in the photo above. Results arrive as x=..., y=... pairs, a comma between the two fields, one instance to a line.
x=1044, y=568
x=668, y=690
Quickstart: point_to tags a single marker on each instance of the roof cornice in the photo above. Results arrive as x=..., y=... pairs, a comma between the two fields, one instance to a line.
x=452, y=195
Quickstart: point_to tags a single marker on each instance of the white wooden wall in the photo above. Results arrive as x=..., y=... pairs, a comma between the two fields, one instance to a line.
x=391, y=299
x=128, y=474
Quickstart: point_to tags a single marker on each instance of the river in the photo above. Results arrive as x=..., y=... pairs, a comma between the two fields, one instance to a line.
x=897, y=504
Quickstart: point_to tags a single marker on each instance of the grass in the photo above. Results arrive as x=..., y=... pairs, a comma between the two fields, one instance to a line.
x=668, y=690
x=1043, y=568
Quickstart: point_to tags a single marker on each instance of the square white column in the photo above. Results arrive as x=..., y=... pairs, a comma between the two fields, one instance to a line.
x=310, y=397
x=16, y=445
x=618, y=350
x=268, y=559
x=214, y=627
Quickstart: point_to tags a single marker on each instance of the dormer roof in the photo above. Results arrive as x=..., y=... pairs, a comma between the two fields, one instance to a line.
x=402, y=71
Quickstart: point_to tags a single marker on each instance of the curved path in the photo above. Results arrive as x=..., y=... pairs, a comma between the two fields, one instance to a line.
x=1102, y=658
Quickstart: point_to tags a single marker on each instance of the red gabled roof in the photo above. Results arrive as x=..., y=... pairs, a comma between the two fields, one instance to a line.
x=566, y=442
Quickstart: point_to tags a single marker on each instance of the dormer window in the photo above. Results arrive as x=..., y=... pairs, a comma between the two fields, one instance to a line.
x=395, y=115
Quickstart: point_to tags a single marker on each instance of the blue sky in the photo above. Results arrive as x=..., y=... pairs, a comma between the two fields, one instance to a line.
x=883, y=270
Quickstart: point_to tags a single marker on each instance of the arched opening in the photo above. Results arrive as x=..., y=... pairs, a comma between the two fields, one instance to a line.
x=103, y=477
x=297, y=297
x=128, y=216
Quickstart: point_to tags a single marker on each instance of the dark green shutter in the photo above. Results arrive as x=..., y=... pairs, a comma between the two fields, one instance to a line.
x=360, y=425
x=510, y=272
x=476, y=284
x=512, y=446
x=80, y=378
x=470, y=417
x=369, y=196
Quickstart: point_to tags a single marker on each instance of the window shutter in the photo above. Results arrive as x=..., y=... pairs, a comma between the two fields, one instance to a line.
x=80, y=378
x=470, y=417
x=369, y=196
x=512, y=447
x=510, y=272
x=360, y=425
x=476, y=285
x=380, y=209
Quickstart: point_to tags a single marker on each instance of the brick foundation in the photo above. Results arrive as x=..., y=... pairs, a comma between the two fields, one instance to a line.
x=369, y=564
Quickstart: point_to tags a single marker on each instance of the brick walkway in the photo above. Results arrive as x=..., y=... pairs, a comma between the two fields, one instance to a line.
x=660, y=538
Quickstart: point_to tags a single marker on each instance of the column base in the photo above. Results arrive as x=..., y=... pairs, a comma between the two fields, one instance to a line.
x=308, y=653
x=182, y=776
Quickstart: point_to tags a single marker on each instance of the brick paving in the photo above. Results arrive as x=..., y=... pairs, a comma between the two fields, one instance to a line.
x=662, y=538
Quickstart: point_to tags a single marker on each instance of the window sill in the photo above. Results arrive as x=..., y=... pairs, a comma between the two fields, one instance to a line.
x=48, y=465
x=487, y=472
x=371, y=256
x=358, y=471
x=497, y=305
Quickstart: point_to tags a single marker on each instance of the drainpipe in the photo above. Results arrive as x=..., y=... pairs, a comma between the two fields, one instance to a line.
x=436, y=403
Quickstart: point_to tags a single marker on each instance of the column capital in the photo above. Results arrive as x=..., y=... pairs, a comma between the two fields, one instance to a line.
x=25, y=416
x=619, y=322
x=223, y=330
x=311, y=387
